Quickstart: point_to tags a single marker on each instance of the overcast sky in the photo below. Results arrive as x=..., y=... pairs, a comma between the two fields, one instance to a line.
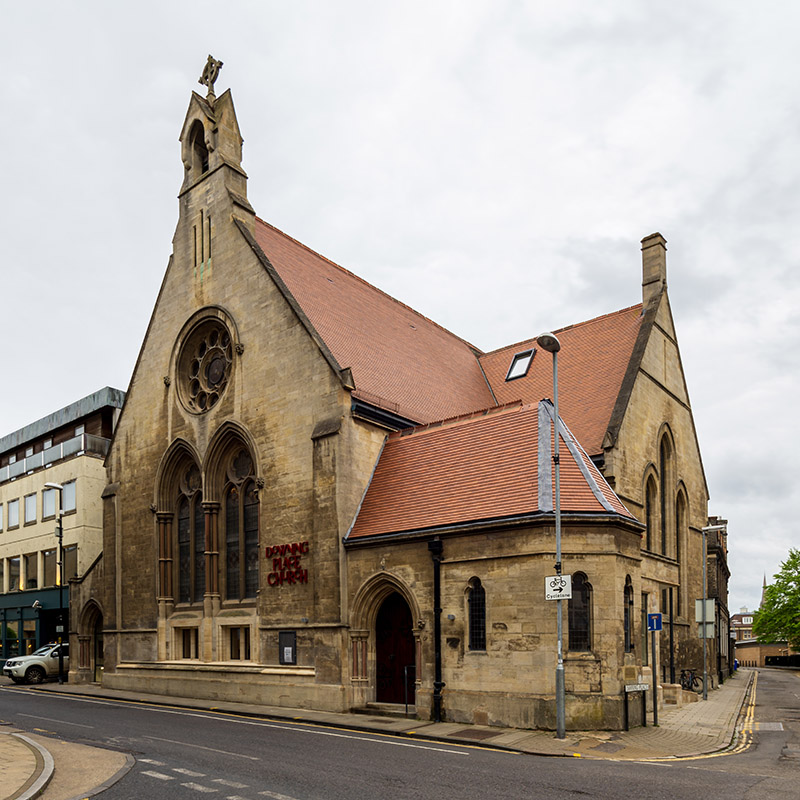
x=492, y=164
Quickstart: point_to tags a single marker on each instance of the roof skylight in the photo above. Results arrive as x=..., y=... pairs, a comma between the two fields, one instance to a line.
x=520, y=365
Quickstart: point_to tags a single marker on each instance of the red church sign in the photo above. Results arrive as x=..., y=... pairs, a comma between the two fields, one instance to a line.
x=286, y=560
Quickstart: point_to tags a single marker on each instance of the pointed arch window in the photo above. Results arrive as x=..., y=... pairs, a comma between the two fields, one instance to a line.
x=191, y=541
x=665, y=470
x=199, y=149
x=241, y=530
x=580, y=613
x=650, y=511
x=476, y=599
x=628, y=614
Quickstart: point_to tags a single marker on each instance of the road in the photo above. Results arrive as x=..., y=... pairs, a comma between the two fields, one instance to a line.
x=185, y=754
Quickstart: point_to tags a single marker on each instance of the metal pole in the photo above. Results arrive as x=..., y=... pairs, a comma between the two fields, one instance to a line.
x=655, y=677
x=560, y=693
x=705, y=641
x=60, y=535
x=435, y=548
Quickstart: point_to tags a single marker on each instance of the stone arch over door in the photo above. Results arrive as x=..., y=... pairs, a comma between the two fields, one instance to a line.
x=385, y=640
x=90, y=644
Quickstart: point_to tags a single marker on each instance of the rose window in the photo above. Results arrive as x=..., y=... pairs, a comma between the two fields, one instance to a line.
x=205, y=365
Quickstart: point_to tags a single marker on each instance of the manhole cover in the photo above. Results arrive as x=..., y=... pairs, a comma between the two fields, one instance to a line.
x=468, y=733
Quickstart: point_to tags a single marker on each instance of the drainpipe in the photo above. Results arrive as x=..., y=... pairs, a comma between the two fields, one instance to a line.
x=435, y=548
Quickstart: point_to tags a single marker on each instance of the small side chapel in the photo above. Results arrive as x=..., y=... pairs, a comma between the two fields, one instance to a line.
x=319, y=498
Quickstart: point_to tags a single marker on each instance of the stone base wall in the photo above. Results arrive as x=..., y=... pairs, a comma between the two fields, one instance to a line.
x=291, y=687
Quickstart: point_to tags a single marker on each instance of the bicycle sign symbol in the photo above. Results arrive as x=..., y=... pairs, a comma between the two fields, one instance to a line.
x=558, y=587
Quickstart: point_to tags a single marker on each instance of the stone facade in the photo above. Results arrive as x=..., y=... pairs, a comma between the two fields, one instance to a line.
x=240, y=462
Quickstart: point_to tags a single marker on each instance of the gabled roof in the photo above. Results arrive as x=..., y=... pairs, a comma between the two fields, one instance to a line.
x=491, y=465
x=405, y=363
x=400, y=360
x=592, y=363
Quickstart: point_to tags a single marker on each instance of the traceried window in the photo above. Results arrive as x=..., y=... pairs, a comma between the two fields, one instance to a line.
x=627, y=611
x=476, y=600
x=191, y=539
x=204, y=365
x=241, y=529
x=580, y=613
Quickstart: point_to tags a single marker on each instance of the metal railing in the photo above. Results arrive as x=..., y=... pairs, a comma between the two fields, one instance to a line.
x=77, y=445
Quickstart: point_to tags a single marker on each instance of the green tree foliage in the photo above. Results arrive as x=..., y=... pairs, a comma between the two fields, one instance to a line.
x=778, y=619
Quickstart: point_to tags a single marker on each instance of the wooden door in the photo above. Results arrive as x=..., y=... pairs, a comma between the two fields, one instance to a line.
x=394, y=655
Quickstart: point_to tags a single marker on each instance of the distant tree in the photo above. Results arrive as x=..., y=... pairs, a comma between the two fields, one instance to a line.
x=778, y=619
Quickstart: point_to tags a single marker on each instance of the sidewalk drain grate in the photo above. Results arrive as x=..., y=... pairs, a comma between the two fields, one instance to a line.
x=468, y=733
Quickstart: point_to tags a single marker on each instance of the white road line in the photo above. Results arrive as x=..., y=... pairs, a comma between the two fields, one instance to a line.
x=276, y=796
x=158, y=775
x=61, y=721
x=189, y=773
x=235, y=797
x=200, y=747
x=199, y=787
x=229, y=716
x=232, y=784
x=152, y=761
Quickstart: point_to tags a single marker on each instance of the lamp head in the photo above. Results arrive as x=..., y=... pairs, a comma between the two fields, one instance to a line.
x=549, y=342
x=54, y=486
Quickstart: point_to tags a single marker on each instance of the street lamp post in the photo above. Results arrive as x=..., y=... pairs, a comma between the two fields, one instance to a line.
x=60, y=563
x=548, y=342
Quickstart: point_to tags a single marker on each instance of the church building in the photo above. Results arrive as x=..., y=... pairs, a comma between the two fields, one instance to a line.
x=319, y=498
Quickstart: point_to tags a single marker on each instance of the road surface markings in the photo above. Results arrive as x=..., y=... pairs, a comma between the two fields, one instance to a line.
x=152, y=761
x=189, y=773
x=200, y=747
x=231, y=716
x=276, y=796
x=160, y=775
x=198, y=787
x=61, y=721
x=231, y=784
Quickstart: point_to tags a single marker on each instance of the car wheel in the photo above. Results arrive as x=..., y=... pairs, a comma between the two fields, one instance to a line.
x=35, y=675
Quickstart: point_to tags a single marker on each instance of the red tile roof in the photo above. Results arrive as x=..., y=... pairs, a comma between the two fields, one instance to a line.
x=407, y=364
x=400, y=360
x=475, y=468
x=591, y=365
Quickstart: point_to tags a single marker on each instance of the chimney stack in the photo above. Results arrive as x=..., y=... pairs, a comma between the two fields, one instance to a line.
x=654, y=266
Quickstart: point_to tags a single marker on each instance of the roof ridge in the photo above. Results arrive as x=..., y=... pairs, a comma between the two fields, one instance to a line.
x=448, y=421
x=371, y=285
x=532, y=339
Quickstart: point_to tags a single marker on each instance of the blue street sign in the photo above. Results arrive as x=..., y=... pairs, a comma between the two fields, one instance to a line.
x=654, y=622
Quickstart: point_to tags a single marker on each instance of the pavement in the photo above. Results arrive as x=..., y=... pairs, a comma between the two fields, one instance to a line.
x=37, y=765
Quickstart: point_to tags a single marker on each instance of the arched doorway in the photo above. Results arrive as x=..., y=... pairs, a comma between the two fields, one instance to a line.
x=394, y=652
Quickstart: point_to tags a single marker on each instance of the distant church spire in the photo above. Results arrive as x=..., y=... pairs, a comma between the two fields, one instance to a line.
x=763, y=590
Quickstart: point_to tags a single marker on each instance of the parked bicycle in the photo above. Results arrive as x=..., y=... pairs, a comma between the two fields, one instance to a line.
x=690, y=680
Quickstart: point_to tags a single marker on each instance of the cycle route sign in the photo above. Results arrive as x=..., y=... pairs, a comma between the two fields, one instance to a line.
x=558, y=587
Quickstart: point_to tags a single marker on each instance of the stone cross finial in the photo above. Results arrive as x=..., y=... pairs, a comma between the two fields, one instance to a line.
x=210, y=74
